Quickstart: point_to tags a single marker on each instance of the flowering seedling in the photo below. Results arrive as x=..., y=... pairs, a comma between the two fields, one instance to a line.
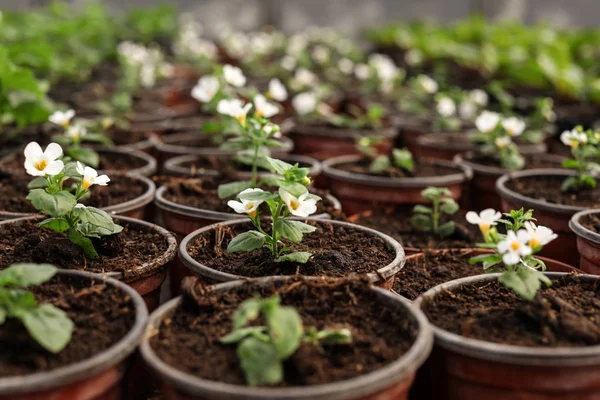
x=428, y=219
x=78, y=222
x=514, y=252
x=357, y=118
x=496, y=134
x=48, y=325
x=401, y=159
x=379, y=75
x=292, y=199
x=584, y=148
x=75, y=133
x=263, y=349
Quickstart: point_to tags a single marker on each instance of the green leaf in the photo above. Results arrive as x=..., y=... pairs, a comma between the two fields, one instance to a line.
x=233, y=188
x=403, y=159
x=296, y=174
x=492, y=257
x=380, y=164
x=23, y=275
x=524, y=281
x=37, y=182
x=56, y=224
x=570, y=164
x=254, y=196
x=338, y=336
x=296, y=189
x=446, y=229
x=49, y=326
x=419, y=208
x=288, y=230
x=422, y=222
x=285, y=329
x=85, y=155
x=301, y=257
x=431, y=193
x=449, y=206
x=83, y=242
x=96, y=223
x=55, y=205
x=247, y=311
x=568, y=184
x=239, y=334
x=246, y=241
x=278, y=166
x=260, y=362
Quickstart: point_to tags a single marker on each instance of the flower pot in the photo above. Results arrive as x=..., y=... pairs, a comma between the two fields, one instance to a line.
x=588, y=242
x=323, y=142
x=146, y=278
x=553, y=216
x=360, y=192
x=100, y=377
x=482, y=189
x=138, y=207
x=468, y=368
x=389, y=382
x=382, y=277
x=196, y=143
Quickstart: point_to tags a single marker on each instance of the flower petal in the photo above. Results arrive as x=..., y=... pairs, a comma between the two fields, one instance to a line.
x=102, y=180
x=473, y=218
x=80, y=169
x=54, y=167
x=511, y=258
x=33, y=151
x=237, y=206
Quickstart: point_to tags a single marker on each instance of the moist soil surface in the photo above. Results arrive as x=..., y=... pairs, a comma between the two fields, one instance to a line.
x=337, y=251
x=202, y=193
x=566, y=314
x=531, y=162
x=422, y=272
x=547, y=188
x=396, y=223
x=120, y=189
x=102, y=315
x=123, y=252
x=189, y=340
x=421, y=170
x=591, y=222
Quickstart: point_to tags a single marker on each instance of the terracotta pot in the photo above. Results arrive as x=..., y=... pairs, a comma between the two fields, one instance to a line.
x=390, y=382
x=554, y=216
x=323, y=142
x=482, y=189
x=475, y=369
x=97, y=378
x=145, y=279
x=588, y=243
x=445, y=146
x=186, y=143
x=138, y=207
x=360, y=192
x=183, y=220
x=384, y=276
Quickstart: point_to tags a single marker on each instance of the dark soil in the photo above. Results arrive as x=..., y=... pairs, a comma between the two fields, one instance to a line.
x=202, y=193
x=396, y=223
x=422, y=272
x=336, y=251
x=102, y=315
x=225, y=164
x=422, y=169
x=591, y=222
x=124, y=252
x=547, y=188
x=121, y=188
x=566, y=314
x=531, y=161
x=189, y=340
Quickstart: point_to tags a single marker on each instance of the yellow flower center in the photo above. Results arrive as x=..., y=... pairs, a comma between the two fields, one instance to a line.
x=65, y=123
x=87, y=182
x=41, y=165
x=242, y=119
x=259, y=112
x=294, y=204
x=484, y=227
x=574, y=143
x=515, y=246
x=534, y=242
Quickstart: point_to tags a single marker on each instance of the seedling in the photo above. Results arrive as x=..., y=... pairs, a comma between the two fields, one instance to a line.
x=496, y=134
x=400, y=159
x=584, y=148
x=428, y=218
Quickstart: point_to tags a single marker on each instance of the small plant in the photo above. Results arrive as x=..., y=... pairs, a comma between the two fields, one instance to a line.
x=496, y=135
x=356, y=118
x=584, y=148
x=400, y=159
x=514, y=251
x=292, y=199
x=428, y=219
x=78, y=222
x=48, y=325
x=262, y=349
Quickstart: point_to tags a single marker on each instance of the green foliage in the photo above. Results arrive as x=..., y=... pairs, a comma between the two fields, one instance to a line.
x=428, y=219
x=47, y=324
x=585, y=156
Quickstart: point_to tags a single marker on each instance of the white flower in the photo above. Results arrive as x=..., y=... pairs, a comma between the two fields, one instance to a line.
x=320, y=54
x=268, y=128
x=514, y=247
x=413, y=57
x=206, y=88
x=298, y=206
x=485, y=219
x=148, y=75
x=297, y=44
x=487, y=121
x=233, y=75
x=346, y=66
x=304, y=103
x=41, y=163
x=305, y=77
x=385, y=67
x=514, y=126
x=479, y=97
x=362, y=71
x=573, y=138
x=288, y=62
x=76, y=131
x=446, y=107
x=502, y=141
x=539, y=235
x=79, y=205
x=263, y=107
x=234, y=108
x=467, y=110
x=429, y=85
x=246, y=206
x=89, y=176
x=324, y=109
x=62, y=118
x=277, y=90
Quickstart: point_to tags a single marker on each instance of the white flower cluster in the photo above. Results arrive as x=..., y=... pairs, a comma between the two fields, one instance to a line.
x=148, y=61
x=190, y=44
x=297, y=206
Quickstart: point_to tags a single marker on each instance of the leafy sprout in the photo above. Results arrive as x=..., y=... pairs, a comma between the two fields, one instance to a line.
x=428, y=219
x=400, y=159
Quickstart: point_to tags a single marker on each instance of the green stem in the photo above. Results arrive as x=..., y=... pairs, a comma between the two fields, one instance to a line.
x=275, y=234
x=435, y=215
x=254, y=165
